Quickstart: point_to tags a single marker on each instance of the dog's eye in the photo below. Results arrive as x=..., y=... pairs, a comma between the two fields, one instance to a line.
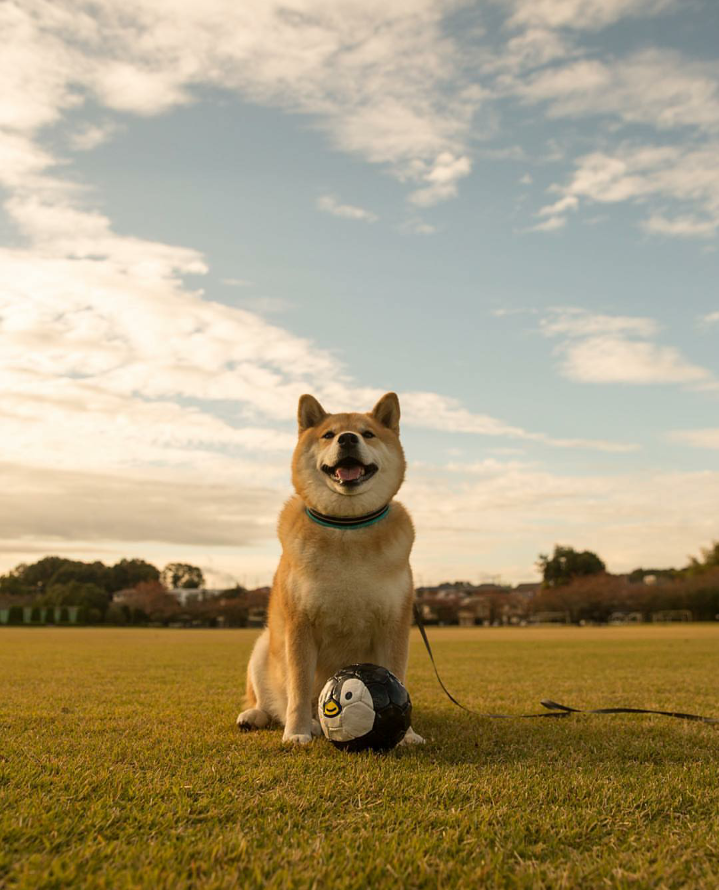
x=368, y=434
x=328, y=435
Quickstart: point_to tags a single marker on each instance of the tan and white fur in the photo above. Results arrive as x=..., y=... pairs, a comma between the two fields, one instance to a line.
x=339, y=596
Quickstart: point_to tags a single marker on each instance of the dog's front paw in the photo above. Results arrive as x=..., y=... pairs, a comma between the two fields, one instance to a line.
x=299, y=738
x=252, y=718
x=411, y=738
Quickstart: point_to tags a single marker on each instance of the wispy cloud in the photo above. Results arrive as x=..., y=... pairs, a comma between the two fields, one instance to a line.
x=441, y=178
x=686, y=175
x=266, y=305
x=710, y=318
x=416, y=226
x=658, y=87
x=435, y=411
x=617, y=349
x=553, y=224
x=89, y=136
x=617, y=360
x=629, y=518
x=236, y=282
x=375, y=79
x=332, y=205
x=703, y=438
x=581, y=323
x=582, y=14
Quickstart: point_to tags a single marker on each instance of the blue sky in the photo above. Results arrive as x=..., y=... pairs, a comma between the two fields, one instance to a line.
x=506, y=212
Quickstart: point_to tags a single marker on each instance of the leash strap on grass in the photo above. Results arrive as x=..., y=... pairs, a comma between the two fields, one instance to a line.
x=554, y=709
x=553, y=705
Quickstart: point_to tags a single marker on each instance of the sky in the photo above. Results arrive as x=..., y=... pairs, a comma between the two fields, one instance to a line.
x=506, y=211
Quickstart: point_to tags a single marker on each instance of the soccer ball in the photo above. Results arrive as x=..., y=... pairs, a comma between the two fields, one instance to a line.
x=364, y=706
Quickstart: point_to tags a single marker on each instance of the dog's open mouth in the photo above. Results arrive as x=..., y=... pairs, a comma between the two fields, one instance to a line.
x=350, y=472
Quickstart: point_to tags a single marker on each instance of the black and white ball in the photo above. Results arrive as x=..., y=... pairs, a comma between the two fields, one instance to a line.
x=364, y=706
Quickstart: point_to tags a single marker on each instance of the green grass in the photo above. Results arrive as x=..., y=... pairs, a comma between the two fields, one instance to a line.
x=120, y=768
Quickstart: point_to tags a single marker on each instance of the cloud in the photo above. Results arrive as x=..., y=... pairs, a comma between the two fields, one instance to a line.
x=683, y=174
x=442, y=177
x=266, y=305
x=236, y=282
x=434, y=411
x=374, y=79
x=330, y=204
x=501, y=519
x=582, y=14
x=89, y=136
x=657, y=87
x=654, y=88
x=58, y=506
x=549, y=225
x=417, y=227
x=616, y=360
x=711, y=318
x=681, y=226
x=704, y=438
x=581, y=323
x=497, y=518
x=617, y=349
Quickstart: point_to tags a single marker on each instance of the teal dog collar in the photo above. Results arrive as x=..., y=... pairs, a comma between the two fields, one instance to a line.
x=347, y=521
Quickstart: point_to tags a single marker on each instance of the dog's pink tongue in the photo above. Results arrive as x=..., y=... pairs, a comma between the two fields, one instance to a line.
x=349, y=474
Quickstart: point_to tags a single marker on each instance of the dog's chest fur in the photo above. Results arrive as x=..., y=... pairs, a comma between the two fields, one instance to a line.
x=346, y=582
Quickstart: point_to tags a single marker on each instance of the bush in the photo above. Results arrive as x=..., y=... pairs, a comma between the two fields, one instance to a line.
x=115, y=615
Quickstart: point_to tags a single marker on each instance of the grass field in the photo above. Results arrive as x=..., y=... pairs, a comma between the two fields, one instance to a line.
x=120, y=767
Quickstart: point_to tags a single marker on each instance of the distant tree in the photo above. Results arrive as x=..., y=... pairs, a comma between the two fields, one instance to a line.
x=566, y=564
x=233, y=593
x=180, y=574
x=96, y=573
x=709, y=560
x=30, y=579
x=129, y=572
x=150, y=600
x=13, y=585
x=590, y=597
x=90, y=597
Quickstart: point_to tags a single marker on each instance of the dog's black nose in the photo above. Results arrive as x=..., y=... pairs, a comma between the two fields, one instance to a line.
x=347, y=440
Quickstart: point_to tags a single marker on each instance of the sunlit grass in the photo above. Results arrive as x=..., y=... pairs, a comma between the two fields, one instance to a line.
x=120, y=767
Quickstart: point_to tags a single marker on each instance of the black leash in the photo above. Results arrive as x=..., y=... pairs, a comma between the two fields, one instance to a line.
x=554, y=709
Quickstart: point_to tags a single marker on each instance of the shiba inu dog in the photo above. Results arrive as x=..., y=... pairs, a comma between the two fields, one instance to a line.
x=343, y=590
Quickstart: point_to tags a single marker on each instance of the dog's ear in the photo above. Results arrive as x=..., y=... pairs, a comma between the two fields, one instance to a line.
x=386, y=411
x=309, y=412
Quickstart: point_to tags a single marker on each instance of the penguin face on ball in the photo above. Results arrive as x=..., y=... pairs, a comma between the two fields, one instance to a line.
x=346, y=710
x=364, y=706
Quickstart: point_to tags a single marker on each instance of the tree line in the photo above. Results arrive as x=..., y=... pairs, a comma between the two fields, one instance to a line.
x=578, y=584
x=92, y=586
x=575, y=584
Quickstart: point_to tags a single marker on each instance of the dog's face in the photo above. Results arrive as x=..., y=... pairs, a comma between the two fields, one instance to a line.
x=348, y=464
